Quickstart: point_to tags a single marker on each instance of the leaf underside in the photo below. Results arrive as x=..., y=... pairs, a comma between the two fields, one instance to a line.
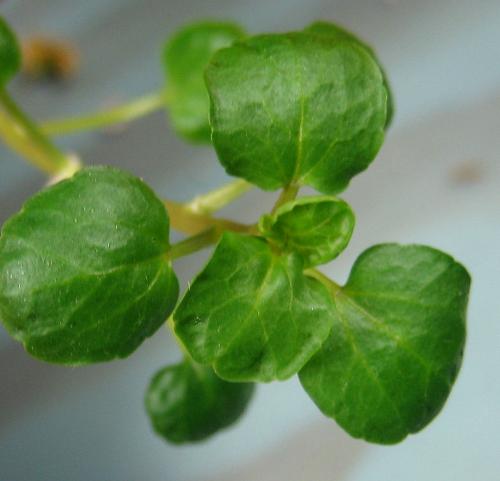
x=185, y=57
x=188, y=402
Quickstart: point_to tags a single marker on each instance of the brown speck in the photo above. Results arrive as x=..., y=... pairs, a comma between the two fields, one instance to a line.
x=47, y=58
x=467, y=172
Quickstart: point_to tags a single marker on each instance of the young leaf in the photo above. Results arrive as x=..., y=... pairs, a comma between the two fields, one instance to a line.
x=396, y=344
x=84, y=275
x=185, y=57
x=187, y=402
x=335, y=31
x=252, y=314
x=10, y=54
x=296, y=108
x=317, y=228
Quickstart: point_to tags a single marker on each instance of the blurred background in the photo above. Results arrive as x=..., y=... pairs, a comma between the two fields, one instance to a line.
x=436, y=181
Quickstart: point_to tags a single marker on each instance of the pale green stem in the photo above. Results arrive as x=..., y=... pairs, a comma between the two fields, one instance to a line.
x=184, y=220
x=194, y=243
x=195, y=216
x=24, y=137
x=123, y=113
x=287, y=194
x=218, y=198
x=332, y=286
x=207, y=230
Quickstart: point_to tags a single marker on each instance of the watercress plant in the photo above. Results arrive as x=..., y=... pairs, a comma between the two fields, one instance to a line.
x=86, y=265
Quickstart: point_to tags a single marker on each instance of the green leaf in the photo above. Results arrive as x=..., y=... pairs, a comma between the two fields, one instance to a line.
x=10, y=54
x=187, y=402
x=252, y=314
x=185, y=57
x=335, y=31
x=296, y=108
x=317, y=228
x=84, y=275
x=396, y=345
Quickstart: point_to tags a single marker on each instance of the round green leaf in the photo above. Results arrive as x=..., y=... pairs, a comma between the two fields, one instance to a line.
x=185, y=57
x=187, y=402
x=396, y=345
x=84, y=275
x=252, y=314
x=317, y=228
x=10, y=54
x=335, y=31
x=296, y=108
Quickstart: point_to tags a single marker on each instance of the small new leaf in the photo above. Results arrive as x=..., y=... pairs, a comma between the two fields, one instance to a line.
x=317, y=228
x=335, y=31
x=10, y=54
x=253, y=314
x=185, y=57
x=296, y=108
x=396, y=345
x=84, y=275
x=188, y=402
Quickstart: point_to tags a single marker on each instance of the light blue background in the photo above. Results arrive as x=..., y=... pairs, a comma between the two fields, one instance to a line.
x=443, y=60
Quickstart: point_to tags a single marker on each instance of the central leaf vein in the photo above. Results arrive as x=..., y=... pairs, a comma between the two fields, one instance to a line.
x=359, y=354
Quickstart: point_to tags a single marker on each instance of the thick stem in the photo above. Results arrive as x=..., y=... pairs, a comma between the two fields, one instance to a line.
x=204, y=229
x=24, y=137
x=194, y=243
x=287, y=194
x=184, y=220
x=218, y=198
x=123, y=113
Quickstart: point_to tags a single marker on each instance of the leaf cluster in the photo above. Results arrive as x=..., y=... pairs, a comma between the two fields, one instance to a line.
x=86, y=265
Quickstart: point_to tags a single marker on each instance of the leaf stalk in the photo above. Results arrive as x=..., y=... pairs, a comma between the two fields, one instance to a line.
x=287, y=194
x=332, y=286
x=124, y=113
x=217, y=199
x=24, y=137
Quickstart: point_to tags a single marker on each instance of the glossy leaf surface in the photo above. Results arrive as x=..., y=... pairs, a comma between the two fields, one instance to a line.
x=396, y=345
x=185, y=57
x=252, y=314
x=188, y=402
x=10, y=54
x=84, y=275
x=335, y=31
x=296, y=108
x=317, y=228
